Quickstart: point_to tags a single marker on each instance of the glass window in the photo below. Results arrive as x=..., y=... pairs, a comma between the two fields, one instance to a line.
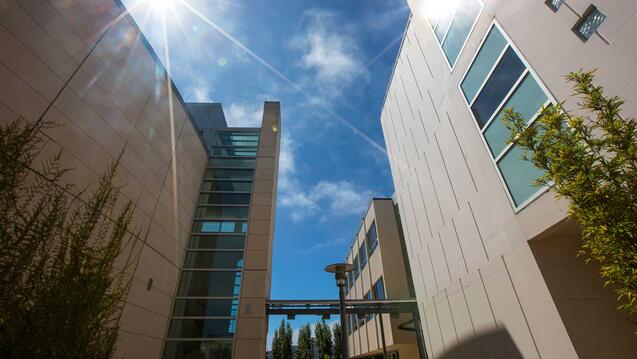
x=224, y=198
x=368, y=296
x=236, y=139
x=460, y=28
x=349, y=324
x=231, y=162
x=483, y=63
x=216, y=242
x=217, y=212
x=350, y=279
x=219, y=227
x=206, y=307
x=212, y=173
x=379, y=289
x=505, y=74
x=372, y=238
x=235, y=151
x=217, y=349
x=357, y=267
x=519, y=175
x=209, y=284
x=443, y=24
x=214, y=260
x=362, y=251
x=236, y=186
x=202, y=328
x=527, y=99
x=589, y=23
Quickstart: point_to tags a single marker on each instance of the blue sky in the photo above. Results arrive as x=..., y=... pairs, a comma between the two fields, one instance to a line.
x=328, y=63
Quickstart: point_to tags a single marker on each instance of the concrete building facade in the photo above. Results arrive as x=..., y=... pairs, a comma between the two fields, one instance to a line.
x=86, y=67
x=380, y=273
x=493, y=257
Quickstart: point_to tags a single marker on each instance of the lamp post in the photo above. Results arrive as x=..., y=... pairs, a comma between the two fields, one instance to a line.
x=340, y=274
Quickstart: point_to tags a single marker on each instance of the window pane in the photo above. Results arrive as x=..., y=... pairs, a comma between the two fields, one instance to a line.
x=232, y=162
x=218, y=349
x=206, y=307
x=460, y=28
x=357, y=267
x=209, y=284
x=235, y=151
x=499, y=84
x=212, y=173
x=379, y=289
x=443, y=24
x=202, y=328
x=239, y=186
x=362, y=251
x=219, y=226
x=527, y=100
x=214, y=260
x=372, y=238
x=224, y=198
x=484, y=61
x=236, y=139
x=216, y=242
x=519, y=175
x=216, y=212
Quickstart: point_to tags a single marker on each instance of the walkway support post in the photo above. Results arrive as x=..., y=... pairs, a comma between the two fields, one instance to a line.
x=340, y=271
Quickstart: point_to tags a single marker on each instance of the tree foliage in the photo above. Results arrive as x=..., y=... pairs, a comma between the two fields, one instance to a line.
x=304, y=343
x=323, y=336
x=60, y=297
x=282, y=341
x=591, y=160
x=336, y=331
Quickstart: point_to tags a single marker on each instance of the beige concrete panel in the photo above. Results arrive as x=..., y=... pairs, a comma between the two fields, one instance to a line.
x=257, y=242
x=253, y=284
x=252, y=307
x=436, y=342
x=164, y=218
x=26, y=65
x=266, y=162
x=470, y=239
x=133, y=345
x=506, y=307
x=165, y=244
x=148, y=131
x=153, y=265
x=250, y=328
x=263, y=173
x=245, y=349
x=18, y=96
x=261, y=212
x=445, y=317
x=142, y=321
x=257, y=260
x=263, y=186
x=259, y=227
x=453, y=253
x=154, y=300
x=138, y=167
x=460, y=312
x=478, y=303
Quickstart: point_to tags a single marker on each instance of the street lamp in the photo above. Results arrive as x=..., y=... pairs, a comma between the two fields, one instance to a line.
x=340, y=274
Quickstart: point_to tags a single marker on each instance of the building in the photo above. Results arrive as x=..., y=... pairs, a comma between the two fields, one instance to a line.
x=86, y=66
x=493, y=257
x=208, y=118
x=381, y=272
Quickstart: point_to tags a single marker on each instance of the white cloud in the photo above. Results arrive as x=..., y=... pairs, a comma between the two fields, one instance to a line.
x=328, y=51
x=241, y=115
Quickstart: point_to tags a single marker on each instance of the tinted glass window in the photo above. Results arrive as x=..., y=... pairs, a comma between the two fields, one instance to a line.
x=527, y=100
x=519, y=175
x=357, y=267
x=236, y=139
x=496, y=88
x=224, y=198
x=216, y=242
x=234, y=151
x=217, y=212
x=483, y=63
x=217, y=349
x=202, y=328
x=231, y=162
x=460, y=27
x=443, y=24
x=214, y=260
x=219, y=227
x=209, y=284
x=206, y=307
x=212, y=173
x=379, y=289
x=238, y=186
x=362, y=251
x=372, y=238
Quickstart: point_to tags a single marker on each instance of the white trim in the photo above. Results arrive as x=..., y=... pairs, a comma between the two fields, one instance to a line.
x=432, y=27
x=550, y=99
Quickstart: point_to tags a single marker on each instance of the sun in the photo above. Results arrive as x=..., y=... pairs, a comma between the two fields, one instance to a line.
x=162, y=6
x=438, y=9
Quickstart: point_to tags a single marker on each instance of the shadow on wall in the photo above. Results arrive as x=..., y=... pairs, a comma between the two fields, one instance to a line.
x=492, y=344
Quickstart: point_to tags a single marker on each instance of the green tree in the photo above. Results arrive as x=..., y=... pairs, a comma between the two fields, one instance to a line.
x=591, y=160
x=304, y=343
x=61, y=295
x=323, y=336
x=336, y=331
x=282, y=341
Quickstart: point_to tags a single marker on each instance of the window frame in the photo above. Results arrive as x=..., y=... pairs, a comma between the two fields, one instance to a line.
x=367, y=241
x=432, y=27
x=529, y=70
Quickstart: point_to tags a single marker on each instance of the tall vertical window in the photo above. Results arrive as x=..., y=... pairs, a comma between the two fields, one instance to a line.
x=362, y=251
x=372, y=238
x=379, y=289
x=499, y=79
x=368, y=296
x=204, y=317
x=357, y=267
x=453, y=26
